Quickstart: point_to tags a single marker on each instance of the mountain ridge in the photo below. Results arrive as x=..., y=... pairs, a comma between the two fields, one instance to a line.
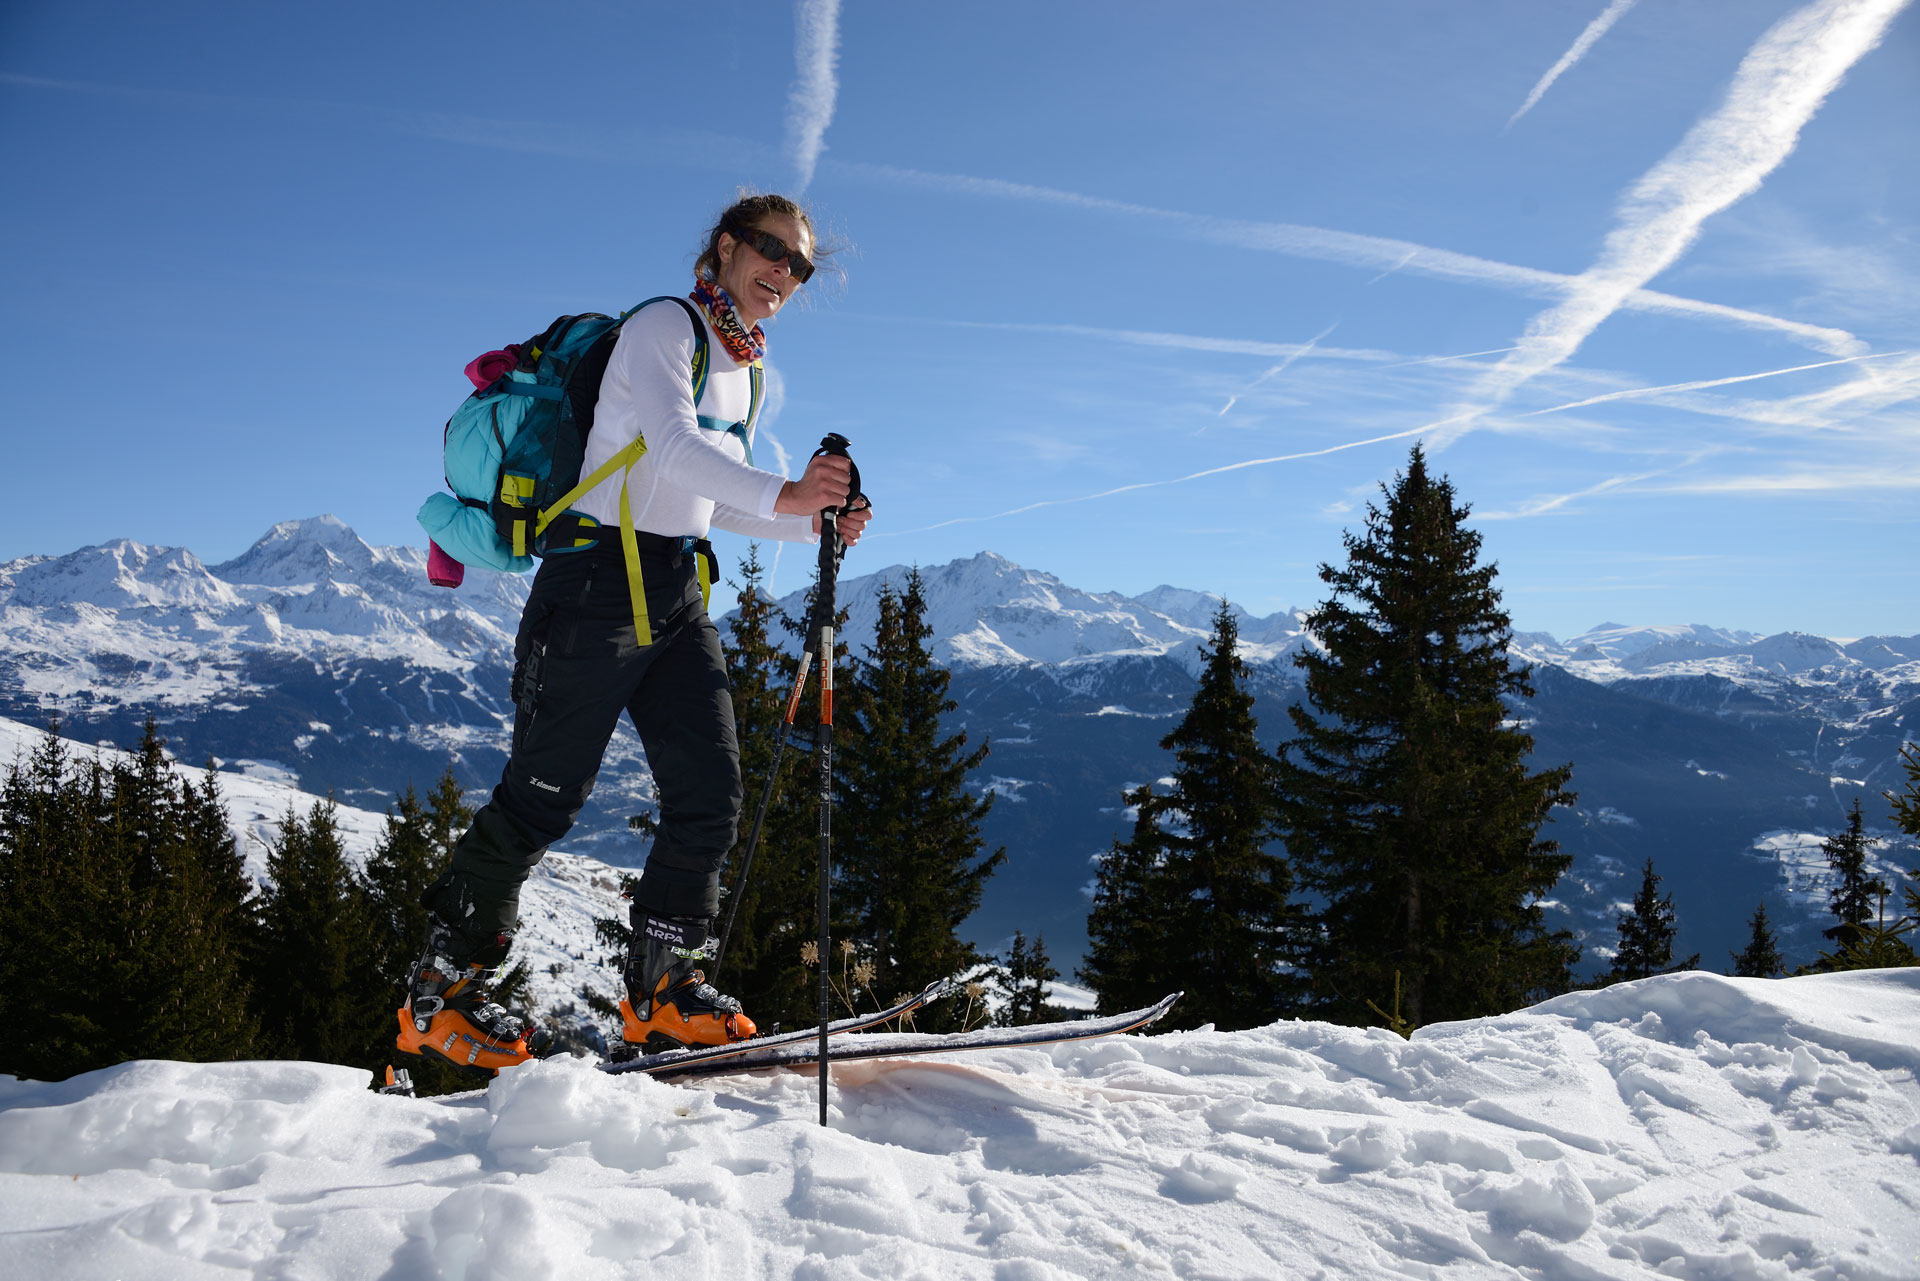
x=317, y=657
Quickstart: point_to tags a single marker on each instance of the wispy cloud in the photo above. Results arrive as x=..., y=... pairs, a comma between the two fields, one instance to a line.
x=1541, y=506
x=1872, y=390
x=1185, y=342
x=1777, y=88
x=1281, y=368
x=715, y=151
x=1396, y=266
x=1852, y=479
x=1588, y=38
x=1633, y=393
x=639, y=144
x=1441, y=360
x=816, y=55
x=1175, y=480
x=1378, y=253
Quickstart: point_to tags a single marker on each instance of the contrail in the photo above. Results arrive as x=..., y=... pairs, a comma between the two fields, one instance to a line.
x=1588, y=38
x=1187, y=342
x=816, y=53
x=703, y=149
x=1705, y=383
x=1778, y=87
x=1278, y=369
x=1541, y=506
x=1176, y=480
x=1454, y=420
x=1351, y=249
x=1465, y=355
x=1396, y=266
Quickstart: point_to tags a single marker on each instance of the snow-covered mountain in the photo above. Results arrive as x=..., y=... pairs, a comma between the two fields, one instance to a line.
x=986, y=611
x=1685, y=1126
x=316, y=659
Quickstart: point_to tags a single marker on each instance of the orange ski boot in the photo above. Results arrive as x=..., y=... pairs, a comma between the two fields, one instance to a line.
x=670, y=1005
x=450, y=1012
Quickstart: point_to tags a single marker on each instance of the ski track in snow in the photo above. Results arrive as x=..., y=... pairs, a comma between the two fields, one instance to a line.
x=1685, y=1126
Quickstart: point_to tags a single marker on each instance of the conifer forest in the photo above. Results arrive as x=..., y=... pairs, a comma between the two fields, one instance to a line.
x=1384, y=859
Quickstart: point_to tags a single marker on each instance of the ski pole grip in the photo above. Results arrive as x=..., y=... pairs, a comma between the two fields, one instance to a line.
x=837, y=445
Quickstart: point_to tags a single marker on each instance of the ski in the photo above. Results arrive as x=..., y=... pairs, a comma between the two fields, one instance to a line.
x=803, y=1052
x=685, y=1062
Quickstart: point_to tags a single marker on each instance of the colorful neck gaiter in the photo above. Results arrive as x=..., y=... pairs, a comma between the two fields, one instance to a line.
x=744, y=345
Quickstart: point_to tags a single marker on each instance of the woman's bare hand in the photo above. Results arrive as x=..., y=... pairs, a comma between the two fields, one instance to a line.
x=826, y=483
x=852, y=524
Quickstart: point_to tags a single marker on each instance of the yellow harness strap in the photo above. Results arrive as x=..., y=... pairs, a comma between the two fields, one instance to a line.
x=623, y=462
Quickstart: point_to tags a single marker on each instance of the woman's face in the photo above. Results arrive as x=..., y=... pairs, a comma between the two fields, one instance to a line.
x=758, y=287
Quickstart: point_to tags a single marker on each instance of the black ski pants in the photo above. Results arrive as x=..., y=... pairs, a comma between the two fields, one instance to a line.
x=577, y=667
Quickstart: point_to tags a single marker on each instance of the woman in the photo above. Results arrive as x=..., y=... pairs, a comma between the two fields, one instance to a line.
x=581, y=659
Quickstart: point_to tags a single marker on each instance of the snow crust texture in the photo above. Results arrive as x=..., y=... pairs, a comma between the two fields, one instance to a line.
x=1687, y=1126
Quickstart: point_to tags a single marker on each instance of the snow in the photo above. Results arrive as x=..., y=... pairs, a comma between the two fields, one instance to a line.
x=124, y=623
x=986, y=611
x=1687, y=1126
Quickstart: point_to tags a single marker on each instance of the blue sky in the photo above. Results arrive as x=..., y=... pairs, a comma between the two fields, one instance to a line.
x=1134, y=293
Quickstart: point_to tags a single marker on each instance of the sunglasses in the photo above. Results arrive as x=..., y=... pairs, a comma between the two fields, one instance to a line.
x=773, y=249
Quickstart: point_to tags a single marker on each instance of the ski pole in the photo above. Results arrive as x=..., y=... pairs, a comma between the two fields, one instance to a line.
x=823, y=752
x=831, y=551
x=782, y=737
x=836, y=444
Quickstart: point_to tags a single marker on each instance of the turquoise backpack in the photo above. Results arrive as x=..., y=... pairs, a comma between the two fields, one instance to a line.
x=514, y=449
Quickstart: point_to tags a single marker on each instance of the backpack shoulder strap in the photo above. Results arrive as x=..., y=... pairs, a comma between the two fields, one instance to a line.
x=699, y=337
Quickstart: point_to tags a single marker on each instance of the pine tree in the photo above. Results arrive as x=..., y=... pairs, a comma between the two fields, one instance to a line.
x=188, y=915
x=1647, y=934
x=208, y=911
x=1023, y=984
x=1409, y=808
x=1906, y=803
x=1879, y=945
x=1856, y=888
x=123, y=912
x=51, y=946
x=906, y=831
x=1867, y=939
x=1198, y=899
x=410, y=854
x=1133, y=928
x=412, y=851
x=310, y=974
x=1761, y=959
x=404, y=862
x=775, y=914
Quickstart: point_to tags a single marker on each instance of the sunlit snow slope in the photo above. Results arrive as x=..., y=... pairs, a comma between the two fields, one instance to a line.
x=1686, y=1126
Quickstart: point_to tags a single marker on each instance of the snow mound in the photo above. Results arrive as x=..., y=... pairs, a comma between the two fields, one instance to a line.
x=1689, y=1126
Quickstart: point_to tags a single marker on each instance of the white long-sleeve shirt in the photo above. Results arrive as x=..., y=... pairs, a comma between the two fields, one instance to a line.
x=689, y=479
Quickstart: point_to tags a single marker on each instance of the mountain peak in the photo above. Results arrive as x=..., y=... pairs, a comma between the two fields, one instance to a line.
x=121, y=574
x=312, y=550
